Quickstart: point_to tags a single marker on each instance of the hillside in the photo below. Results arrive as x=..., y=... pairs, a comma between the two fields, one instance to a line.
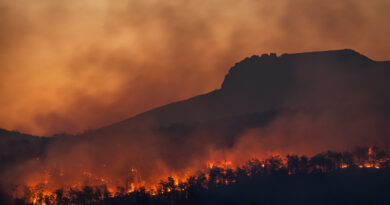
x=259, y=88
x=16, y=147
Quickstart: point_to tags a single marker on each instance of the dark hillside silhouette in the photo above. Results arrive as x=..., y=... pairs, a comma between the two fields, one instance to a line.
x=16, y=147
x=261, y=88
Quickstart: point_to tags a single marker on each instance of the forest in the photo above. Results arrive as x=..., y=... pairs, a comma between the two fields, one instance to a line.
x=360, y=176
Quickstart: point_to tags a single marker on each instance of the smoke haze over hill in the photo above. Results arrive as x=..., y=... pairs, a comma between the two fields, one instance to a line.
x=295, y=103
x=70, y=66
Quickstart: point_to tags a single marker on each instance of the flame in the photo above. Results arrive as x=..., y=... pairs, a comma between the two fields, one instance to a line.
x=43, y=186
x=220, y=164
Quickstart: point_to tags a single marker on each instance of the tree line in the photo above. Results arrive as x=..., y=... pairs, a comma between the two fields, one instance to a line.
x=361, y=176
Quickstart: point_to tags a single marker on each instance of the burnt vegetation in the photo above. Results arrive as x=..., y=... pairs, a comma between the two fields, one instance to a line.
x=361, y=176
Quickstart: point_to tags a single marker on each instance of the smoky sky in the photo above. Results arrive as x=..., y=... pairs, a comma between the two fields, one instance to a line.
x=69, y=66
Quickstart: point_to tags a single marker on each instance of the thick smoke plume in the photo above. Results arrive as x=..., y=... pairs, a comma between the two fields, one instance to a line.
x=69, y=66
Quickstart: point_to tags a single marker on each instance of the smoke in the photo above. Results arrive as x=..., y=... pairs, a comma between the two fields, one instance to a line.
x=335, y=101
x=78, y=65
x=69, y=66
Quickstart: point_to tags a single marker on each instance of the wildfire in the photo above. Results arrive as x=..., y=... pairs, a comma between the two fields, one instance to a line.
x=343, y=166
x=43, y=191
x=221, y=164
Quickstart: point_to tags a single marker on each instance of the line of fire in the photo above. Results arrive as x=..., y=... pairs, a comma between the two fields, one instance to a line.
x=216, y=175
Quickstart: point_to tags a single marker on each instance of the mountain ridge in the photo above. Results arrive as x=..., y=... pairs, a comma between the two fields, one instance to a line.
x=236, y=80
x=230, y=85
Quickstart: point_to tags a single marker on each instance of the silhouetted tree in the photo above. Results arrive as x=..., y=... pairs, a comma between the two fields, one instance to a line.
x=292, y=164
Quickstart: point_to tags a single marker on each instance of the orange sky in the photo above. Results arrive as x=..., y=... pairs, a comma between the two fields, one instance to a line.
x=68, y=66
